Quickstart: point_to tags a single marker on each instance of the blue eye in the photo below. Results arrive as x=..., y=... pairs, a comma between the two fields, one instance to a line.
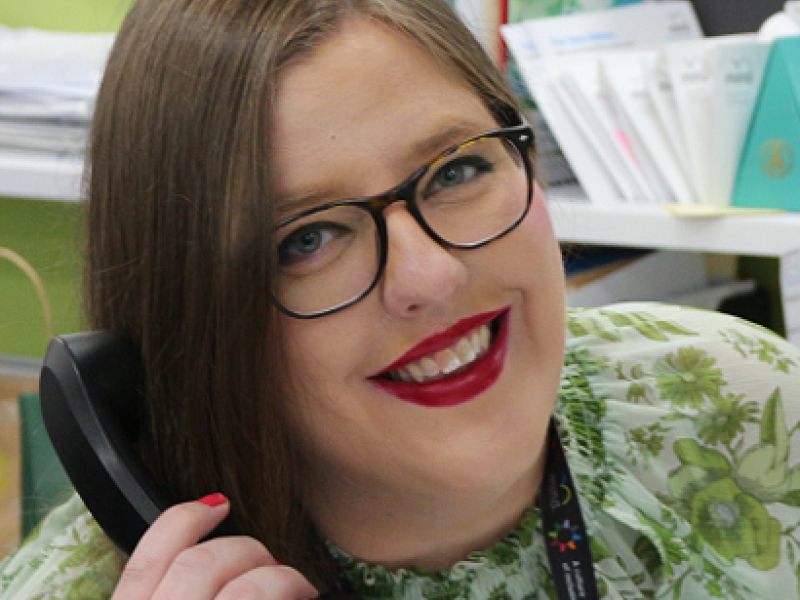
x=307, y=241
x=458, y=172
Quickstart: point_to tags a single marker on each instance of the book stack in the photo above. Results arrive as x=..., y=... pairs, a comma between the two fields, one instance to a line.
x=48, y=83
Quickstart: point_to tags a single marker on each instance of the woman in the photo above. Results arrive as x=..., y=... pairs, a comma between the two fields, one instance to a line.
x=370, y=382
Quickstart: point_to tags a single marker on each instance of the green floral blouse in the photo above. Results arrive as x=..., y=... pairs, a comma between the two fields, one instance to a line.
x=680, y=427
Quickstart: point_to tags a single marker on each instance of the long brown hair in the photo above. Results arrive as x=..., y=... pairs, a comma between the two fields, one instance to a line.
x=180, y=255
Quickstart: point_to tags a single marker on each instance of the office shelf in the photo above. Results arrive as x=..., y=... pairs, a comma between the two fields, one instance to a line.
x=576, y=220
x=40, y=175
x=579, y=221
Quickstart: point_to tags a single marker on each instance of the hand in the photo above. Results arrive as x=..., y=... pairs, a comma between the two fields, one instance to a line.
x=170, y=563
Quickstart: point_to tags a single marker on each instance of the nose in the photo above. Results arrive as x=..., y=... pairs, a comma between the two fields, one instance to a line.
x=419, y=272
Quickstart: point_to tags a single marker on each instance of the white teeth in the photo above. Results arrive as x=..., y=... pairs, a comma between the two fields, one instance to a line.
x=416, y=373
x=485, y=337
x=449, y=361
x=476, y=341
x=466, y=350
x=429, y=367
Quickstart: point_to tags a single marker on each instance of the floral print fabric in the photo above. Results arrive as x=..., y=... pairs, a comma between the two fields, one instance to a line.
x=681, y=430
x=67, y=556
x=698, y=422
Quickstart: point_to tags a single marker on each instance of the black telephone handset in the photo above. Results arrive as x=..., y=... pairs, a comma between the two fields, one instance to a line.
x=90, y=387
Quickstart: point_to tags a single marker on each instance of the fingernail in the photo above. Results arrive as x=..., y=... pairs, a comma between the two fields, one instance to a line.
x=213, y=500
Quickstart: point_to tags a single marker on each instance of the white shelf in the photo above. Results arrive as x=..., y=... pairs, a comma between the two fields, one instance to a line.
x=39, y=175
x=578, y=221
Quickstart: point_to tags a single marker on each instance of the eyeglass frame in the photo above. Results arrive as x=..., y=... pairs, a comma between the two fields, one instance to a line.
x=523, y=139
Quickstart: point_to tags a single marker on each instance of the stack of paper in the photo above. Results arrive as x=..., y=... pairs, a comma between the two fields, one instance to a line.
x=645, y=108
x=560, y=61
x=48, y=83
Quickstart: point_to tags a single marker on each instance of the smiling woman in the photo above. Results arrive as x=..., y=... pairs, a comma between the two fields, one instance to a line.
x=317, y=222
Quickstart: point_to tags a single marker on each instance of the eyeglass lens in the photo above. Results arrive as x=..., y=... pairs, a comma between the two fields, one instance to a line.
x=468, y=196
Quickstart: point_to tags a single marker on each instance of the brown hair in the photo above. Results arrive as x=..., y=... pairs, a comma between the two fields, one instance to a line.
x=180, y=254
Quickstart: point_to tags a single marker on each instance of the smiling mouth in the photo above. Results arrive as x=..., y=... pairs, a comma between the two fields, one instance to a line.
x=451, y=361
x=434, y=376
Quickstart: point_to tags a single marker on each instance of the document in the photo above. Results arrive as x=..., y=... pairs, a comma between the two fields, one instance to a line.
x=622, y=75
x=48, y=83
x=582, y=152
x=691, y=82
x=662, y=94
x=636, y=26
x=600, y=154
x=579, y=80
x=716, y=83
x=738, y=69
x=68, y=65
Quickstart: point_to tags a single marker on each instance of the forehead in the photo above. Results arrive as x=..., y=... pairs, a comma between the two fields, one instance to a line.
x=364, y=110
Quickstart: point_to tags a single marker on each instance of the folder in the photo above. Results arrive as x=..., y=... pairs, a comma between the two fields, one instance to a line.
x=768, y=173
x=623, y=76
x=716, y=82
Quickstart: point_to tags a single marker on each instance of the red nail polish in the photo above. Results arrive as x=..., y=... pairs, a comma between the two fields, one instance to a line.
x=213, y=500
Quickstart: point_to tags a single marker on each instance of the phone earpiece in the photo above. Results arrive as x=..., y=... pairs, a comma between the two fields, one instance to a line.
x=91, y=392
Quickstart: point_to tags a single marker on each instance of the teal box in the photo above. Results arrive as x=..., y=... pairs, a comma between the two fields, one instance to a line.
x=768, y=175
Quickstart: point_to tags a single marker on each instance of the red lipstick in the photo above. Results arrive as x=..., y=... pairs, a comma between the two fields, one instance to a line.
x=456, y=389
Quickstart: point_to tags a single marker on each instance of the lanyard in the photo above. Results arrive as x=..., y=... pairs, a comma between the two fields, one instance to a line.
x=564, y=529
x=562, y=524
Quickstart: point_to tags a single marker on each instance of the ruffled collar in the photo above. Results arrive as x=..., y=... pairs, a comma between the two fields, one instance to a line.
x=513, y=568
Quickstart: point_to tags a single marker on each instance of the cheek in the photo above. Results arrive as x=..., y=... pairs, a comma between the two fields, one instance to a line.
x=315, y=370
x=538, y=222
x=325, y=356
x=533, y=247
x=311, y=360
x=541, y=269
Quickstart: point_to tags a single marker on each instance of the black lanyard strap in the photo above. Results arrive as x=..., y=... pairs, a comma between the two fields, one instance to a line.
x=564, y=528
x=564, y=533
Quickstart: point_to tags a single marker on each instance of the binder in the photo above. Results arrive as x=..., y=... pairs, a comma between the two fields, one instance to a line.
x=768, y=174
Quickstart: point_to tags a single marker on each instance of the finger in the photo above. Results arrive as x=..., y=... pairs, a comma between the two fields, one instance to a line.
x=178, y=528
x=269, y=583
x=201, y=571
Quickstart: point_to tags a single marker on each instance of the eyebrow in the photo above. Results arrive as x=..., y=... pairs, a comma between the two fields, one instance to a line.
x=291, y=205
x=454, y=132
x=423, y=151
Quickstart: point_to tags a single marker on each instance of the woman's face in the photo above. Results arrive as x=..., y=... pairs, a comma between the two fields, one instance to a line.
x=355, y=119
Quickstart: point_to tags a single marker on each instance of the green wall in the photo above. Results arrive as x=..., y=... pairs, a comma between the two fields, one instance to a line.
x=45, y=233
x=64, y=15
